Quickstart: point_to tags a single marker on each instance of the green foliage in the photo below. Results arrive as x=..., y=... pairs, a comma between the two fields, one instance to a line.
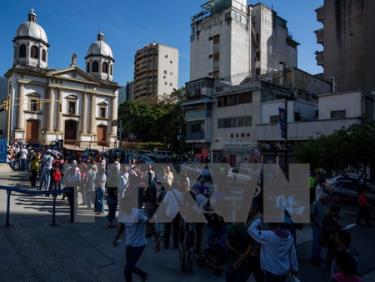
x=351, y=148
x=154, y=122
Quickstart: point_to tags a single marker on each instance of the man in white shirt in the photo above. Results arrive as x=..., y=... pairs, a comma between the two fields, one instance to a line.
x=133, y=221
x=23, y=157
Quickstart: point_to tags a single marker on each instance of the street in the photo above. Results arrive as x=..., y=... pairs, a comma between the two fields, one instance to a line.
x=33, y=250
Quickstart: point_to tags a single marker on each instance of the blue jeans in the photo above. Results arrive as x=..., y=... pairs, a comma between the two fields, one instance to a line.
x=112, y=203
x=132, y=256
x=316, y=248
x=45, y=179
x=23, y=164
x=99, y=200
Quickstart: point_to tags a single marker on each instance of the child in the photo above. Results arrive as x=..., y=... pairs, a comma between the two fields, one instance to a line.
x=56, y=177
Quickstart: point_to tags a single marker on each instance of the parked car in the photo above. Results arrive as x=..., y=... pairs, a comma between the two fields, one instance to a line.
x=144, y=159
x=343, y=188
x=162, y=155
x=139, y=153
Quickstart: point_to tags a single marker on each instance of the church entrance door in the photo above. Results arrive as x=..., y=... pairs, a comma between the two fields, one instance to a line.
x=32, y=131
x=70, y=135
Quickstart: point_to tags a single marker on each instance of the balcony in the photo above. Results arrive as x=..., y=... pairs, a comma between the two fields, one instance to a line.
x=197, y=115
x=320, y=14
x=320, y=36
x=319, y=58
x=299, y=131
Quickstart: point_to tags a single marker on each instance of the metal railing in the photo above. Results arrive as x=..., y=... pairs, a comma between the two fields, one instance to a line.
x=29, y=192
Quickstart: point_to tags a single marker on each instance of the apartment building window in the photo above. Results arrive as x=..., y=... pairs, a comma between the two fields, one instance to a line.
x=232, y=100
x=216, y=39
x=245, y=98
x=196, y=127
x=274, y=119
x=338, y=114
x=244, y=121
x=216, y=75
x=216, y=57
x=233, y=122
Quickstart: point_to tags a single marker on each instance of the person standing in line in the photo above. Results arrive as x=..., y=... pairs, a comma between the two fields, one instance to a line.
x=72, y=178
x=112, y=190
x=169, y=177
x=133, y=222
x=330, y=227
x=100, y=181
x=23, y=157
x=317, y=214
x=278, y=257
x=57, y=176
x=46, y=166
x=90, y=185
x=35, y=166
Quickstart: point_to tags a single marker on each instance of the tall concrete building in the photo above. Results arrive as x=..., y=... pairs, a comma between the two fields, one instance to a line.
x=155, y=72
x=348, y=39
x=231, y=40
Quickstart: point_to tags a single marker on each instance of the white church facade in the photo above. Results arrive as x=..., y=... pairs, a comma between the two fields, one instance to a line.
x=74, y=105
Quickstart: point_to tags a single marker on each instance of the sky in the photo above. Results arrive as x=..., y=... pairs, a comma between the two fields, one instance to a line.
x=72, y=25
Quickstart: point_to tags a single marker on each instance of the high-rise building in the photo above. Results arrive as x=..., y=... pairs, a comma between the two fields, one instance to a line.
x=348, y=39
x=231, y=40
x=155, y=72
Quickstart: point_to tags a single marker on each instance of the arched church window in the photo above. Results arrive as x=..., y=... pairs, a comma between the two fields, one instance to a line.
x=23, y=51
x=111, y=69
x=88, y=67
x=34, y=52
x=44, y=55
x=105, y=67
x=95, y=66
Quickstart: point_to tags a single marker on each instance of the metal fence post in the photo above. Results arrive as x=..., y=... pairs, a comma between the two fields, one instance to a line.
x=7, y=224
x=54, y=210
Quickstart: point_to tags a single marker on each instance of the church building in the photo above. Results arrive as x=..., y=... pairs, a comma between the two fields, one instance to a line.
x=74, y=105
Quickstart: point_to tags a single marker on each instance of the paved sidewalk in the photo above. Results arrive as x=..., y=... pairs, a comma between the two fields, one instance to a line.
x=32, y=250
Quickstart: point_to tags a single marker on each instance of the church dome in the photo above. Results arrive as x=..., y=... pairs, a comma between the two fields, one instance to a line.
x=30, y=29
x=100, y=48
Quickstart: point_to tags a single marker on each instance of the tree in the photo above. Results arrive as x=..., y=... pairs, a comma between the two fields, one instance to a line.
x=346, y=149
x=155, y=122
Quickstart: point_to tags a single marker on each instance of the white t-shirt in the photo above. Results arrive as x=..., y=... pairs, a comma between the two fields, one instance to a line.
x=23, y=153
x=172, y=200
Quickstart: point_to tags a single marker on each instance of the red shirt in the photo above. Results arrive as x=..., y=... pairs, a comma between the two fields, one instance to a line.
x=57, y=175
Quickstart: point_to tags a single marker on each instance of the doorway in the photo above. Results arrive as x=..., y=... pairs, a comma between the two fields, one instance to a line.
x=70, y=135
x=32, y=131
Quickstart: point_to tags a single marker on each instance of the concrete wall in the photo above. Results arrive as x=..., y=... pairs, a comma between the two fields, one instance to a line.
x=222, y=136
x=271, y=108
x=303, y=130
x=167, y=70
x=348, y=38
x=351, y=102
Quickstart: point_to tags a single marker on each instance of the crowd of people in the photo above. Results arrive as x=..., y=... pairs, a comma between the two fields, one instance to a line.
x=134, y=193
